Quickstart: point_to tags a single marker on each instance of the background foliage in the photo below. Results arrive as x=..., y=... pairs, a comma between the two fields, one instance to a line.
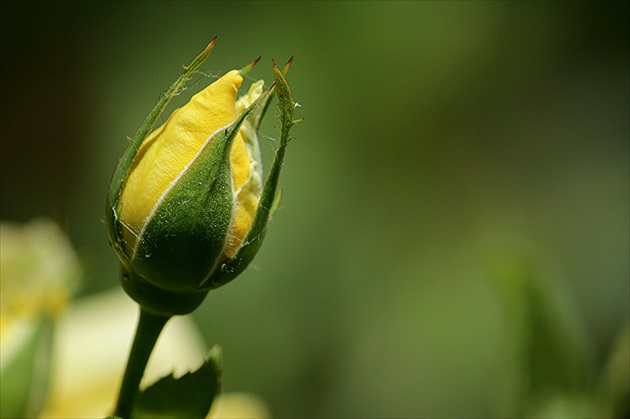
x=456, y=203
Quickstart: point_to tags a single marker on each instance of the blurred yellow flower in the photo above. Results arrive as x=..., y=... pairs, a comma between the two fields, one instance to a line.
x=91, y=348
x=38, y=272
x=239, y=405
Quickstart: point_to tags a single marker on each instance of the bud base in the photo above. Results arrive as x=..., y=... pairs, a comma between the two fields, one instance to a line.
x=157, y=301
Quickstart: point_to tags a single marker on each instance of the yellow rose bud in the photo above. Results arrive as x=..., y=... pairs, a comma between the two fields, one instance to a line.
x=184, y=208
x=167, y=152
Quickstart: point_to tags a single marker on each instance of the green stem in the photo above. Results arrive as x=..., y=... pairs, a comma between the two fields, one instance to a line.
x=149, y=328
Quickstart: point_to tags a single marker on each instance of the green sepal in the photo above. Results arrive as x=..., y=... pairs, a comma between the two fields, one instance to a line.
x=124, y=165
x=189, y=396
x=185, y=236
x=232, y=268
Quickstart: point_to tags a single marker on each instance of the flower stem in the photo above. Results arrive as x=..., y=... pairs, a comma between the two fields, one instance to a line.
x=149, y=328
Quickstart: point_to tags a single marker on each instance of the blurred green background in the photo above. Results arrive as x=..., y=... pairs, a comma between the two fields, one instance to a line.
x=453, y=238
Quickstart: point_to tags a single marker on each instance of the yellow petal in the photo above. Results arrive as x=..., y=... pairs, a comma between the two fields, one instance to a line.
x=240, y=162
x=246, y=175
x=167, y=151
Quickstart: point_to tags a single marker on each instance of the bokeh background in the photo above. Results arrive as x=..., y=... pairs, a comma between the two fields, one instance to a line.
x=453, y=238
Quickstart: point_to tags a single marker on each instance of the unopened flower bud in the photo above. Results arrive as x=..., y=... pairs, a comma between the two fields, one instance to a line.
x=184, y=206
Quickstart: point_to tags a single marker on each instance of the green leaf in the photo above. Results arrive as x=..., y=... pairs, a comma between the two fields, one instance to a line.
x=553, y=354
x=25, y=378
x=615, y=381
x=189, y=396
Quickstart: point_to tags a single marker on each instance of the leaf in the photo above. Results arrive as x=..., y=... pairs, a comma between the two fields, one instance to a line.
x=25, y=378
x=554, y=357
x=189, y=396
x=615, y=381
